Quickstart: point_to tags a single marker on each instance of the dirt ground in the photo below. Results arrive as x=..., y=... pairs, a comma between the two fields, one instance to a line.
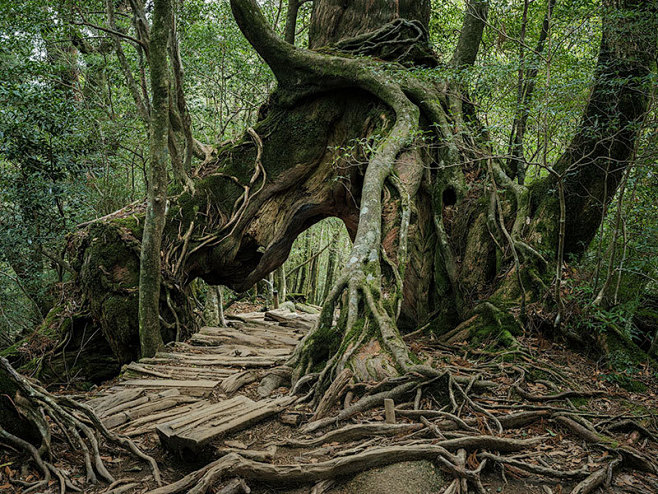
x=621, y=407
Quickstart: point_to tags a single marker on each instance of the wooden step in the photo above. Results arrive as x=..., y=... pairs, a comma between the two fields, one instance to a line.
x=194, y=431
x=192, y=387
x=147, y=424
x=213, y=360
x=182, y=371
x=246, y=336
x=232, y=350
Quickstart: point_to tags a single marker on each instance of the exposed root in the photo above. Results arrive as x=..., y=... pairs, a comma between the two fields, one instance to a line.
x=233, y=464
x=76, y=421
x=448, y=425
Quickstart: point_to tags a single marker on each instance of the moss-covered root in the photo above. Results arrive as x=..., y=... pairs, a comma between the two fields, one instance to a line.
x=32, y=404
x=487, y=324
x=363, y=339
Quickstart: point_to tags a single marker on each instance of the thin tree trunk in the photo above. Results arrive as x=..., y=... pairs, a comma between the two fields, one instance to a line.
x=291, y=20
x=615, y=238
x=270, y=289
x=314, y=268
x=526, y=86
x=149, y=272
x=282, y=283
x=331, y=265
x=220, y=297
x=303, y=271
x=213, y=307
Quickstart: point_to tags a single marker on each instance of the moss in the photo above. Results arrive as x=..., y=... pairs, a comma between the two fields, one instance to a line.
x=638, y=408
x=119, y=314
x=495, y=325
x=13, y=349
x=132, y=223
x=622, y=353
x=580, y=402
x=323, y=343
x=352, y=335
x=627, y=382
x=52, y=316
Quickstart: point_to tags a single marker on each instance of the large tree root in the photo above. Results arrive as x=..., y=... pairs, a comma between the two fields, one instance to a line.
x=235, y=465
x=450, y=433
x=76, y=421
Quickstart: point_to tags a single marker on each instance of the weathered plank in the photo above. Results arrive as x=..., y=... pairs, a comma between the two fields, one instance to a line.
x=231, y=384
x=145, y=410
x=195, y=387
x=102, y=404
x=290, y=319
x=146, y=424
x=192, y=433
x=215, y=360
x=232, y=350
x=184, y=370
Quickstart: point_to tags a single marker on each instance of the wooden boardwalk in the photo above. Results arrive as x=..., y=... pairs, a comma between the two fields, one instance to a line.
x=187, y=394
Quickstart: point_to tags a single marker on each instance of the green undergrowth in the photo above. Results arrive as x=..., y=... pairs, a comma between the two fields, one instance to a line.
x=495, y=327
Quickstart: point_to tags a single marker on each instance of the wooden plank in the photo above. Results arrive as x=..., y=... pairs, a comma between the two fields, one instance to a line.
x=157, y=406
x=193, y=434
x=172, y=383
x=207, y=413
x=231, y=350
x=129, y=404
x=185, y=369
x=259, y=331
x=215, y=360
x=252, y=336
x=100, y=405
x=201, y=339
x=147, y=409
x=141, y=369
x=144, y=425
x=289, y=320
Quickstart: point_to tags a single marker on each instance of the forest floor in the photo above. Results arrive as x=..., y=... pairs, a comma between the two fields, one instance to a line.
x=545, y=419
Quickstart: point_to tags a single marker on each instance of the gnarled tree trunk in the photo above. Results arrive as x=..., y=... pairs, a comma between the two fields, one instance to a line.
x=441, y=232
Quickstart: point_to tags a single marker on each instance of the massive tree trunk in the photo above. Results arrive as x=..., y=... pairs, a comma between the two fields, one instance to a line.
x=441, y=233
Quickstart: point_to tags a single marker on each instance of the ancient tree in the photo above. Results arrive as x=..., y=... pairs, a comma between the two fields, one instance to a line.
x=444, y=233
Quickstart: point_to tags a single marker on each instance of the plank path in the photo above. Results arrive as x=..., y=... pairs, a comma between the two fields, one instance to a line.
x=187, y=394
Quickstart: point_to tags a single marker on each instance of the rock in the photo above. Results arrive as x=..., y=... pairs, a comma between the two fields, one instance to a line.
x=411, y=477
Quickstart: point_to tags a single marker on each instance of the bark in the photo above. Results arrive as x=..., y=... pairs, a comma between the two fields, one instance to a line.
x=436, y=239
x=300, y=287
x=334, y=20
x=211, y=309
x=291, y=21
x=526, y=88
x=470, y=36
x=331, y=265
x=281, y=283
x=154, y=222
x=599, y=153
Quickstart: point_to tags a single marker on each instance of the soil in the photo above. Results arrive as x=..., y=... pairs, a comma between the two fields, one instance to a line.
x=539, y=367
